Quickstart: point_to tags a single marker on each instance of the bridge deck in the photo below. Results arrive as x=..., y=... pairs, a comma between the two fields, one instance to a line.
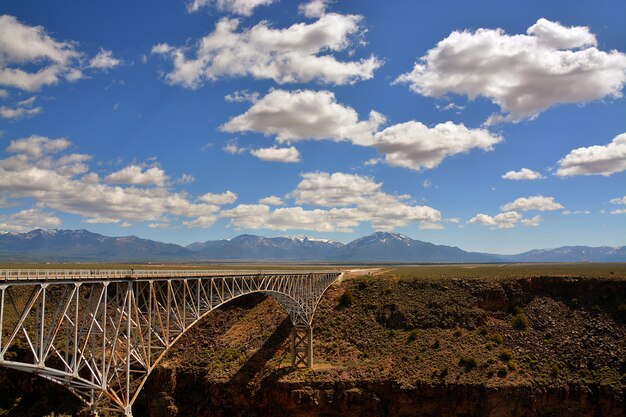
x=11, y=275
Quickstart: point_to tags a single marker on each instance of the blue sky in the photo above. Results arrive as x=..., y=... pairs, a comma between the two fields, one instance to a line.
x=492, y=126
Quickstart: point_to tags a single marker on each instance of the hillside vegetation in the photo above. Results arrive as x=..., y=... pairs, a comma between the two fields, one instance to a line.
x=422, y=341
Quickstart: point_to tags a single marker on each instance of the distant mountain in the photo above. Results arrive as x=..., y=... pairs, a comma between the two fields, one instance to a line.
x=259, y=247
x=82, y=245
x=572, y=254
x=393, y=247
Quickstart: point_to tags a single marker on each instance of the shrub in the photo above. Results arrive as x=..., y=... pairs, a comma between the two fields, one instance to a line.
x=437, y=344
x=496, y=338
x=443, y=372
x=412, y=336
x=505, y=355
x=520, y=321
x=346, y=298
x=467, y=362
x=502, y=371
x=457, y=332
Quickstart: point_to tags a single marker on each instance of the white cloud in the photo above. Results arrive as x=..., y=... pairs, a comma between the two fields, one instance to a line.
x=569, y=212
x=35, y=147
x=227, y=197
x=20, y=110
x=336, y=189
x=313, y=8
x=185, y=179
x=430, y=226
x=536, y=202
x=297, y=54
x=427, y=183
x=23, y=46
x=271, y=201
x=619, y=200
x=242, y=96
x=532, y=222
x=104, y=60
x=232, y=148
x=276, y=154
x=135, y=175
x=504, y=220
x=416, y=146
x=344, y=207
x=240, y=7
x=29, y=219
x=36, y=170
x=523, y=74
x=305, y=114
x=595, y=160
x=523, y=174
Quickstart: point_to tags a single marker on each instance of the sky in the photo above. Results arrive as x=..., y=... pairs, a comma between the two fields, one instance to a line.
x=492, y=126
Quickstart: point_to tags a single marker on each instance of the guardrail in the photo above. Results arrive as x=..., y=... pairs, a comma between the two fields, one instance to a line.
x=85, y=274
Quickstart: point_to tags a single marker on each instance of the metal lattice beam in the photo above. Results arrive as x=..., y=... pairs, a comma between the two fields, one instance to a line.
x=100, y=333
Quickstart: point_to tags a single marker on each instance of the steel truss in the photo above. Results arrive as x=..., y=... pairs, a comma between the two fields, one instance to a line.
x=101, y=333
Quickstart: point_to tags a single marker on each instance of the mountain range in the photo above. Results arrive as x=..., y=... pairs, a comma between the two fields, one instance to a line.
x=83, y=245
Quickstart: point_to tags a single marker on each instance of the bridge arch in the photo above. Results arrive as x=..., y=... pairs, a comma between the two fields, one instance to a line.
x=101, y=333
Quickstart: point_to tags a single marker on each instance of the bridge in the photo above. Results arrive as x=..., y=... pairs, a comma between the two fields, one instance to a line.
x=100, y=333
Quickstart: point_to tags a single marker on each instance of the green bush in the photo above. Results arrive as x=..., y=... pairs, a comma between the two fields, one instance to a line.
x=346, y=298
x=496, y=338
x=502, y=372
x=467, y=362
x=505, y=355
x=520, y=321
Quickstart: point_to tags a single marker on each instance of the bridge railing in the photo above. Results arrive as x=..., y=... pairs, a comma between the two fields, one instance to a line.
x=100, y=274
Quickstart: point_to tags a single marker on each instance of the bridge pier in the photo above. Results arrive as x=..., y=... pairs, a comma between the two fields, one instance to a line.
x=302, y=346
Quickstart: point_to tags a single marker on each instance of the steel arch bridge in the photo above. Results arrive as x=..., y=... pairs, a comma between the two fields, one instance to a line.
x=100, y=333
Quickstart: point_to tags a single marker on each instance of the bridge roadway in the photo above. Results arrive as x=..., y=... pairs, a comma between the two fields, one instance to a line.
x=100, y=333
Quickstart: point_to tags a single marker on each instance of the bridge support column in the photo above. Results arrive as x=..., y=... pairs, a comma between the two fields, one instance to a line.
x=302, y=346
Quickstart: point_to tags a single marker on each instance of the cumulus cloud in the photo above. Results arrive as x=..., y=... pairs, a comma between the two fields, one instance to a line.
x=415, y=146
x=22, y=109
x=31, y=59
x=347, y=200
x=276, y=154
x=523, y=174
x=227, y=197
x=595, y=160
x=135, y=175
x=271, y=201
x=104, y=60
x=523, y=74
x=305, y=114
x=505, y=220
x=314, y=8
x=39, y=169
x=300, y=53
x=532, y=222
x=536, y=202
x=240, y=7
x=35, y=147
x=621, y=200
x=233, y=148
x=28, y=219
x=344, y=208
x=242, y=96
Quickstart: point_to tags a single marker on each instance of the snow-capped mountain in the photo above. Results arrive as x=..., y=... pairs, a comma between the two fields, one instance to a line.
x=394, y=247
x=82, y=245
